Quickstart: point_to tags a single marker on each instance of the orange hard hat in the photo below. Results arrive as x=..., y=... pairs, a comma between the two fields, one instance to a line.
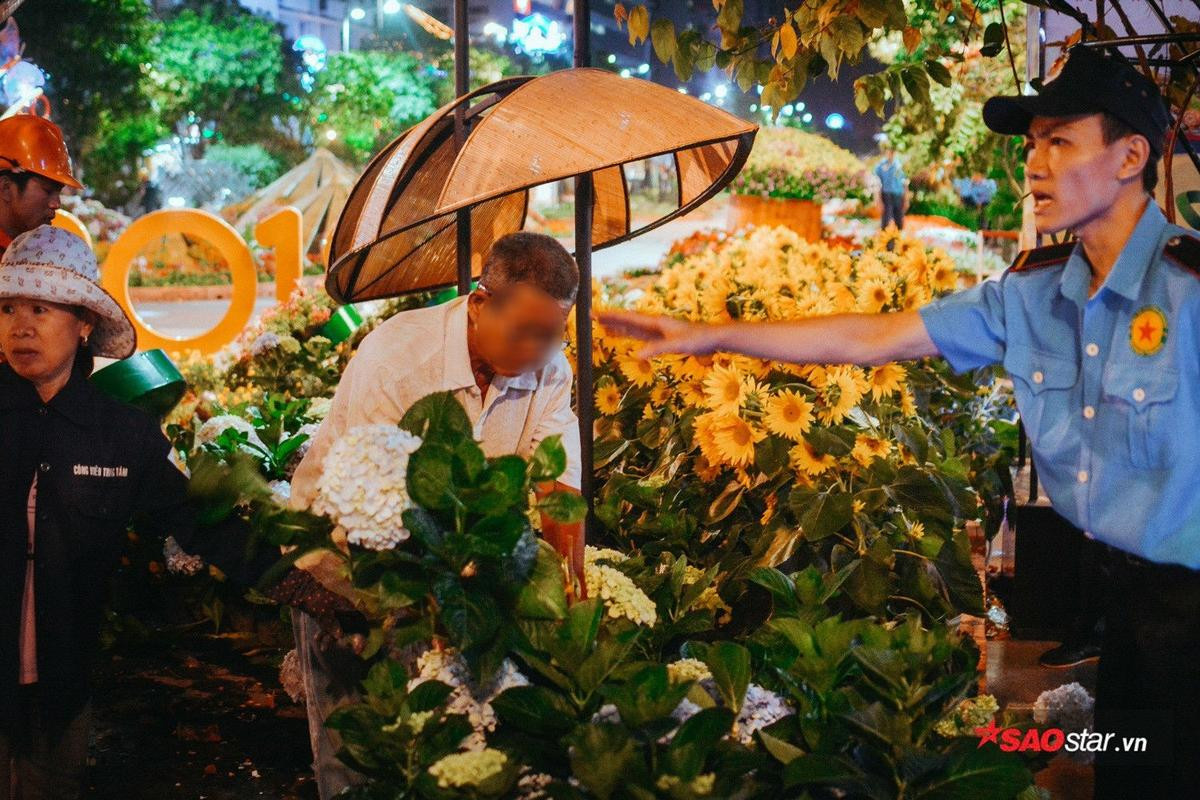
x=29, y=143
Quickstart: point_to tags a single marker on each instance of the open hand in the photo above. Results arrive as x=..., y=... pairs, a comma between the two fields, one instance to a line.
x=662, y=334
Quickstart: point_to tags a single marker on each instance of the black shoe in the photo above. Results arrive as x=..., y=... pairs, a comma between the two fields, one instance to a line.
x=1070, y=655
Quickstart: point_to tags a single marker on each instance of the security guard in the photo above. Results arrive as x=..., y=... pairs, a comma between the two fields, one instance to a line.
x=1102, y=340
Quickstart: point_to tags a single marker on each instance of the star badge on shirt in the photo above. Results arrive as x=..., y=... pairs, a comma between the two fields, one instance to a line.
x=1148, y=331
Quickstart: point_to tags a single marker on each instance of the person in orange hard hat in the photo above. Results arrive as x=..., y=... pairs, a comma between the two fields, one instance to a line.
x=34, y=168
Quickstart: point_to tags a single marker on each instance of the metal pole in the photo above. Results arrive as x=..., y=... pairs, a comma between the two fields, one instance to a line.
x=584, y=203
x=462, y=79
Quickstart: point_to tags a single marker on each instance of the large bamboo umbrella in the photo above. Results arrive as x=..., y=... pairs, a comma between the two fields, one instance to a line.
x=398, y=231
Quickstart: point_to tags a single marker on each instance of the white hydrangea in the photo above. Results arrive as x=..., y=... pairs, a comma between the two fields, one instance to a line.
x=621, y=596
x=761, y=708
x=180, y=562
x=212, y=429
x=465, y=770
x=364, y=486
x=688, y=669
x=468, y=698
x=1070, y=707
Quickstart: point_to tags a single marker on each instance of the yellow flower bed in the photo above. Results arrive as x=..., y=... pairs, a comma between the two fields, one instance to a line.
x=772, y=274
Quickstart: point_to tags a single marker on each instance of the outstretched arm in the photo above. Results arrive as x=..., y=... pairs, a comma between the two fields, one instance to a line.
x=837, y=339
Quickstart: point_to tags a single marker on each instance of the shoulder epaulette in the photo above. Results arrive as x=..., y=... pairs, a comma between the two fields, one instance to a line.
x=1038, y=257
x=1185, y=251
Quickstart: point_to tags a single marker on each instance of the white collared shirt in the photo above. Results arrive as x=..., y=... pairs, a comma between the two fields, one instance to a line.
x=417, y=353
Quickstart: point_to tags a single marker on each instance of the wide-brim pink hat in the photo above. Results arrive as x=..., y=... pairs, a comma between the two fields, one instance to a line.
x=56, y=266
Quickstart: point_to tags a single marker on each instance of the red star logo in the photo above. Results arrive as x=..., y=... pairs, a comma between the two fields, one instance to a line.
x=1146, y=330
x=989, y=733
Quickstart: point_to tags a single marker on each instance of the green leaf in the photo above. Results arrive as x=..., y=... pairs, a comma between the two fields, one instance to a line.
x=783, y=591
x=993, y=40
x=937, y=71
x=730, y=17
x=549, y=460
x=730, y=666
x=695, y=739
x=428, y=695
x=662, y=36
x=564, y=507
x=848, y=33
x=438, y=416
x=602, y=758
x=430, y=478
x=782, y=751
x=823, y=770
x=976, y=773
x=543, y=596
x=725, y=503
x=828, y=513
x=771, y=455
x=873, y=13
x=536, y=710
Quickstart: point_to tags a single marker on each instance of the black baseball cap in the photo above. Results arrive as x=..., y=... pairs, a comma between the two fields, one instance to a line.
x=1092, y=81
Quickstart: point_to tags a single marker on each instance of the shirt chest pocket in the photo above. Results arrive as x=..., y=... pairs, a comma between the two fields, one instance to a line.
x=1043, y=383
x=1143, y=398
x=99, y=517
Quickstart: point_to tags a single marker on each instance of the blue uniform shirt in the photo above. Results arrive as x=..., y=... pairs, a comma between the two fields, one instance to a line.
x=1108, y=387
x=891, y=176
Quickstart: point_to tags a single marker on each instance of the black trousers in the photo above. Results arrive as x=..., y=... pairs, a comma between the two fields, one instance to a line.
x=1149, y=682
x=41, y=761
x=893, y=210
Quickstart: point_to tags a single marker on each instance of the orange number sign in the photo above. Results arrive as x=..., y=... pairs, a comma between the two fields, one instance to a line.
x=281, y=230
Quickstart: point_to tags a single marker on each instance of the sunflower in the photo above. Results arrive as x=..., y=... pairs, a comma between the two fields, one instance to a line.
x=916, y=531
x=942, y=277
x=735, y=439
x=692, y=394
x=867, y=448
x=873, y=296
x=693, y=368
x=886, y=379
x=660, y=395
x=725, y=389
x=805, y=460
x=639, y=371
x=908, y=404
x=789, y=414
x=840, y=393
x=705, y=436
x=608, y=399
x=704, y=470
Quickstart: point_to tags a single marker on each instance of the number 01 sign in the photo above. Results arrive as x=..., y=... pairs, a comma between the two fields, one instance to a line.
x=281, y=231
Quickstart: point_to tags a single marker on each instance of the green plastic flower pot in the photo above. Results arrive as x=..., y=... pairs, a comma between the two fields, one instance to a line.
x=148, y=380
x=342, y=324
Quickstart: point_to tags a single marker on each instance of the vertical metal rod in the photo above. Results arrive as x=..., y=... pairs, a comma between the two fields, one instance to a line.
x=462, y=81
x=584, y=203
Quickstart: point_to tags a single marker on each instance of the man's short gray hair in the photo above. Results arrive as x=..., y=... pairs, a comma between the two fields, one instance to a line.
x=532, y=258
